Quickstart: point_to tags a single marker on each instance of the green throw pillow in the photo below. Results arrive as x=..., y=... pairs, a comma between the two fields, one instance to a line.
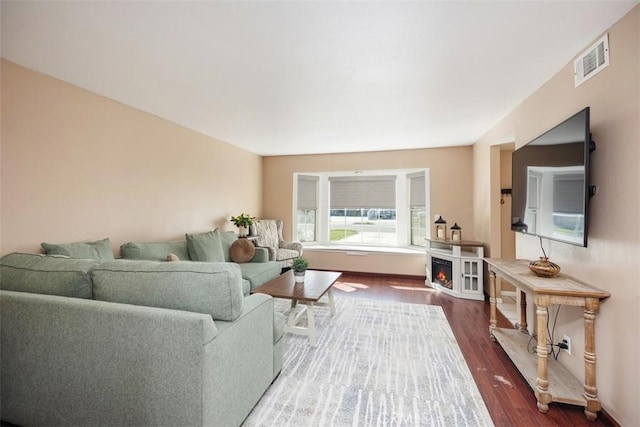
x=205, y=246
x=228, y=238
x=99, y=250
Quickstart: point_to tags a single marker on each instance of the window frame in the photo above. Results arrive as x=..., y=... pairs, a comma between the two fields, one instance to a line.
x=403, y=208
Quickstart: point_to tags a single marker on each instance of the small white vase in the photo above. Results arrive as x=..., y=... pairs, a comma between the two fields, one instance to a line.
x=242, y=231
x=299, y=276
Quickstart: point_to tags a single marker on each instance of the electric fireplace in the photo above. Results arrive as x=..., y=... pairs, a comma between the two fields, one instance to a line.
x=455, y=267
x=442, y=272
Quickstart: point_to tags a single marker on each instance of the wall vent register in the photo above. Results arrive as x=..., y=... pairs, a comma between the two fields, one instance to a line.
x=591, y=61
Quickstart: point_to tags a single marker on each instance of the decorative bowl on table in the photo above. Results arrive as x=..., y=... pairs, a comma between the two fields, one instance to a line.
x=544, y=268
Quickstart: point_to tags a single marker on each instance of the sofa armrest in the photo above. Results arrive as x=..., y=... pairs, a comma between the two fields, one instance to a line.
x=295, y=246
x=239, y=366
x=272, y=252
x=261, y=255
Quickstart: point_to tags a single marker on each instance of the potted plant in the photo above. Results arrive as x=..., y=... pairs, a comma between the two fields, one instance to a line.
x=299, y=267
x=243, y=222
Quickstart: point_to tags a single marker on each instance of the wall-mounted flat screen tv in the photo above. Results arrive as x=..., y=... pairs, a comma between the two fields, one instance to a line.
x=550, y=181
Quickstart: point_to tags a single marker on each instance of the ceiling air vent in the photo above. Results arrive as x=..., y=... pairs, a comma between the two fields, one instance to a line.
x=591, y=61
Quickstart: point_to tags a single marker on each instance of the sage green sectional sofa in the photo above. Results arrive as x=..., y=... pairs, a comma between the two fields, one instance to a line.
x=212, y=246
x=133, y=342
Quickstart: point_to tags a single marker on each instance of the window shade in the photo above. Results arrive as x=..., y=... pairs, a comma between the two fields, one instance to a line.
x=307, y=192
x=417, y=190
x=363, y=192
x=568, y=194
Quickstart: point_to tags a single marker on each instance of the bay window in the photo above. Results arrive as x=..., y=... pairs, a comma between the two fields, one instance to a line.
x=387, y=208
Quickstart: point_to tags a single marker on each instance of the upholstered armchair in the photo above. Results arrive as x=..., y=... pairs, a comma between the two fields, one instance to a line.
x=269, y=233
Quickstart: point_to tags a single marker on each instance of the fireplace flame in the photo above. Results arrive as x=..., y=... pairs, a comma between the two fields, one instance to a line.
x=442, y=276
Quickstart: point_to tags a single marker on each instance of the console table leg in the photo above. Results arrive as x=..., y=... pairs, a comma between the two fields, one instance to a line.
x=492, y=302
x=590, y=390
x=523, y=313
x=542, y=381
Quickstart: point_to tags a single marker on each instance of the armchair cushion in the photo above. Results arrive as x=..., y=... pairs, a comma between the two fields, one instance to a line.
x=267, y=230
x=285, y=254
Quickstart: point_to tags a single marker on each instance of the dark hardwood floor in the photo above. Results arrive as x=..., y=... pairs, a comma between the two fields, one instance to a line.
x=508, y=397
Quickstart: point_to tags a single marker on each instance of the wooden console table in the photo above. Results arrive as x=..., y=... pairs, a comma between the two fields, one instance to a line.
x=550, y=381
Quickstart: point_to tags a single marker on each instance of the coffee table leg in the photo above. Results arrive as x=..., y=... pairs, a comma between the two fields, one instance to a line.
x=332, y=306
x=312, y=324
x=292, y=313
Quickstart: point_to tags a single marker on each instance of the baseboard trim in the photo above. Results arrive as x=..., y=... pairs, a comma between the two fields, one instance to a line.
x=385, y=275
x=607, y=419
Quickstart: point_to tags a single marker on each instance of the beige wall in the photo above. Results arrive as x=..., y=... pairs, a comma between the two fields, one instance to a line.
x=77, y=166
x=450, y=172
x=611, y=259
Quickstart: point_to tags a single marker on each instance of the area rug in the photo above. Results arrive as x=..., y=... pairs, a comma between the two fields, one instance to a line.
x=376, y=363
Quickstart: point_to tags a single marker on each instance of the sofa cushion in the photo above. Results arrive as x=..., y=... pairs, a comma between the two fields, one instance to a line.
x=43, y=274
x=260, y=273
x=99, y=250
x=242, y=250
x=154, y=251
x=210, y=288
x=205, y=246
x=228, y=238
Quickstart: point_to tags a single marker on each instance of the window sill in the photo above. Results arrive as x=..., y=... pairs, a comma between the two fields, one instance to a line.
x=364, y=250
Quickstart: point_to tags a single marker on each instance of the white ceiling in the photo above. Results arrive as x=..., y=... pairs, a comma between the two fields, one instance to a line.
x=298, y=77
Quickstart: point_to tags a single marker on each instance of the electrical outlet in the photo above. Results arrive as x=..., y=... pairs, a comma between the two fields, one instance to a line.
x=567, y=341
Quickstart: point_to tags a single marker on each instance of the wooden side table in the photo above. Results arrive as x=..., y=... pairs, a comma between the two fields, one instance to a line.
x=252, y=239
